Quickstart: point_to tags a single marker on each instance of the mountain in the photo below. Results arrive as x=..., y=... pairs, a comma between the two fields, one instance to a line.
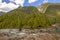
x=27, y=9
x=1, y=13
x=31, y=17
x=17, y=18
x=49, y=7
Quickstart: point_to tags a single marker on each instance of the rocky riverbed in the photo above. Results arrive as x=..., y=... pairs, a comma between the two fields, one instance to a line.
x=27, y=34
x=30, y=34
x=37, y=36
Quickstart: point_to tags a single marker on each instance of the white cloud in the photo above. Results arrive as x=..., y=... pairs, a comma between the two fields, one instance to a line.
x=0, y=1
x=31, y=1
x=18, y=2
x=4, y=7
x=45, y=1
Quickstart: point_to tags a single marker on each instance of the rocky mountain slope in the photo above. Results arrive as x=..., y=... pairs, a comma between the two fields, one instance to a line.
x=49, y=7
x=1, y=13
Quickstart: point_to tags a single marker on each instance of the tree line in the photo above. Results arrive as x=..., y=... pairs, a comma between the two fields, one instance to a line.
x=33, y=19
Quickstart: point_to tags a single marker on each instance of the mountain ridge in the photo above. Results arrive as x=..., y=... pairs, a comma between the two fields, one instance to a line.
x=43, y=7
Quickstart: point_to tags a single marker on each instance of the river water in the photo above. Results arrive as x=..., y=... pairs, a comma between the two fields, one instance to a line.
x=58, y=30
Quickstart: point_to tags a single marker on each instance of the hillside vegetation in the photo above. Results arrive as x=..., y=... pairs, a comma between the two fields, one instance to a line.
x=28, y=17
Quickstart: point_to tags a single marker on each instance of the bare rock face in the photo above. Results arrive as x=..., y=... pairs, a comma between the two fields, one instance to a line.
x=37, y=36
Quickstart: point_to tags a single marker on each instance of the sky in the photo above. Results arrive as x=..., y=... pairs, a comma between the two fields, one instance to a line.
x=31, y=3
x=27, y=2
x=7, y=5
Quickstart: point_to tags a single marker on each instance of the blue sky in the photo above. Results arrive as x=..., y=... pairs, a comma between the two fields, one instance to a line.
x=8, y=5
x=55, y=1
x=34, y=3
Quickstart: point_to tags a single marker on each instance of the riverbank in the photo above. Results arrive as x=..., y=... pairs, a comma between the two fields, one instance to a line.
x=37, y=36
x=52, y=33
x=28, y=34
